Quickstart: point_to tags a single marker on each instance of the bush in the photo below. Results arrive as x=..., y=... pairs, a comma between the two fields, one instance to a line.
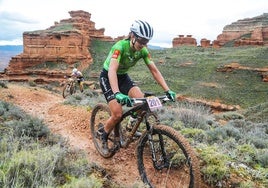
x=215, y=167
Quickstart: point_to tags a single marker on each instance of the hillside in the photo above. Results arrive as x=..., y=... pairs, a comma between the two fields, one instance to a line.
x=201, y=73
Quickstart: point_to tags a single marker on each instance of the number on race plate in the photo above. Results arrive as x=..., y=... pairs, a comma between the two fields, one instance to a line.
x=154, y=103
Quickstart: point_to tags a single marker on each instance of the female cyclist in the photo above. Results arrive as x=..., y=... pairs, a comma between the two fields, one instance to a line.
x=116, y=84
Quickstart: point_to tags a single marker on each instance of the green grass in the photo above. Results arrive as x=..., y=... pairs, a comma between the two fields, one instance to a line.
x=63, y=27
x=59, y=28
x=188, y=69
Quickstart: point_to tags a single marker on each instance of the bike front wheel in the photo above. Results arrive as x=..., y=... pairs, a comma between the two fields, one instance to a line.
x=166, y=159
x=99, y=115
x=73, y=88
x=66, y=90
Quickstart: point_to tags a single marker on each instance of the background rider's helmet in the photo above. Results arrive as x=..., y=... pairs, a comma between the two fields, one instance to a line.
x=142, y=29
x=75, y=70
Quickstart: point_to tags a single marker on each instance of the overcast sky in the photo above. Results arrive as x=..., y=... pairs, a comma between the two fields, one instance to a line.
x=169, y=18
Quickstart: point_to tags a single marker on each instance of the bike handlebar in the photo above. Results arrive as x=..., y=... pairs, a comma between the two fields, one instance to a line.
x=163, y=98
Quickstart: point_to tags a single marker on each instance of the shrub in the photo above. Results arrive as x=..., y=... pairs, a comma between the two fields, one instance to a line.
x=191, y=115
x=229, y=116
x=262, y=157
x=214, y=168
x=84, y=182
x=87, y=98
x=258, y=113
x=194, y=134
x=3, y=84
x=247, y=153
x=32, y=168
x=31, y=127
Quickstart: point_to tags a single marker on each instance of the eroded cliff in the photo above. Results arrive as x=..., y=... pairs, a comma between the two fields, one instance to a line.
x=248, y=31
x=50, y=54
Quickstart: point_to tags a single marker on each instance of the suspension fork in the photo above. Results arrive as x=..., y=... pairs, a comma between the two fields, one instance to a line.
x=152, y=147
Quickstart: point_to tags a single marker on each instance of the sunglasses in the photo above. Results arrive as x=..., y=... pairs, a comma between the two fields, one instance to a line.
x=142, y=41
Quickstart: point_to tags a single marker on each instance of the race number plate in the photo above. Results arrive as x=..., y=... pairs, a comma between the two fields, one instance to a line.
x=154, y=103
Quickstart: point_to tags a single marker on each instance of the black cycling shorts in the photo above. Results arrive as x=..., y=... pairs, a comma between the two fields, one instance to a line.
x=124, y=84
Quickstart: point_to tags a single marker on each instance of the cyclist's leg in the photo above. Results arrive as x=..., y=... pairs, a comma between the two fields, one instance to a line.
x=115, y=107
x=128, y=87
x=135, y=92
x=116, y=113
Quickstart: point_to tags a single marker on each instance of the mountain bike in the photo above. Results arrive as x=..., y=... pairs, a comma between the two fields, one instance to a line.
x=164, y=157
x=70, y=86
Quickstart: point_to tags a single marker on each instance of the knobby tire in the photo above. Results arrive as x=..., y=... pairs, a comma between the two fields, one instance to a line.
x=181, y=170
x=65, y=91
x=99, y=116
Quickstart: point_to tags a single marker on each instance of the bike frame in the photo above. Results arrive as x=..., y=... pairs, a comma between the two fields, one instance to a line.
x=141, y=116
x=143, y=111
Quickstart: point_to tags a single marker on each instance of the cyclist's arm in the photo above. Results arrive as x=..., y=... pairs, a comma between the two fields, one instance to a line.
x=112, y=74
x=158, y=76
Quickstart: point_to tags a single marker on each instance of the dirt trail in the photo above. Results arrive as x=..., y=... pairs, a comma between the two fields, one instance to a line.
x=73, y=123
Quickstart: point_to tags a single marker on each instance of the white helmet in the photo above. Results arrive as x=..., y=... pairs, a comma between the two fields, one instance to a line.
x=75, y=70
x=142, y=29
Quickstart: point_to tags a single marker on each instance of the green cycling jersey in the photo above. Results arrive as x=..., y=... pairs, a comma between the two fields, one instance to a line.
x=126, y=56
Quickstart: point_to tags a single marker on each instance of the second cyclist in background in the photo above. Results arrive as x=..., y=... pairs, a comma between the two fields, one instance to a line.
x=79, y=77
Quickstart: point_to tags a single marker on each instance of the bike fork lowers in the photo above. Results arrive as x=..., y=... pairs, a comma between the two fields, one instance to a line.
x=162, y=150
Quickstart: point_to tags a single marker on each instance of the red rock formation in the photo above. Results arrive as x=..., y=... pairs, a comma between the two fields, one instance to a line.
x=215, y=44
x=184, y=41
x=216, y=106
x=66, y=42
x=205, y=43
x=249, y=31
x=236, y=66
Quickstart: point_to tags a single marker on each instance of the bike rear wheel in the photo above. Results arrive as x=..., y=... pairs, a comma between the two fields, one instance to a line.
x=176, y=164
x=99, y=116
